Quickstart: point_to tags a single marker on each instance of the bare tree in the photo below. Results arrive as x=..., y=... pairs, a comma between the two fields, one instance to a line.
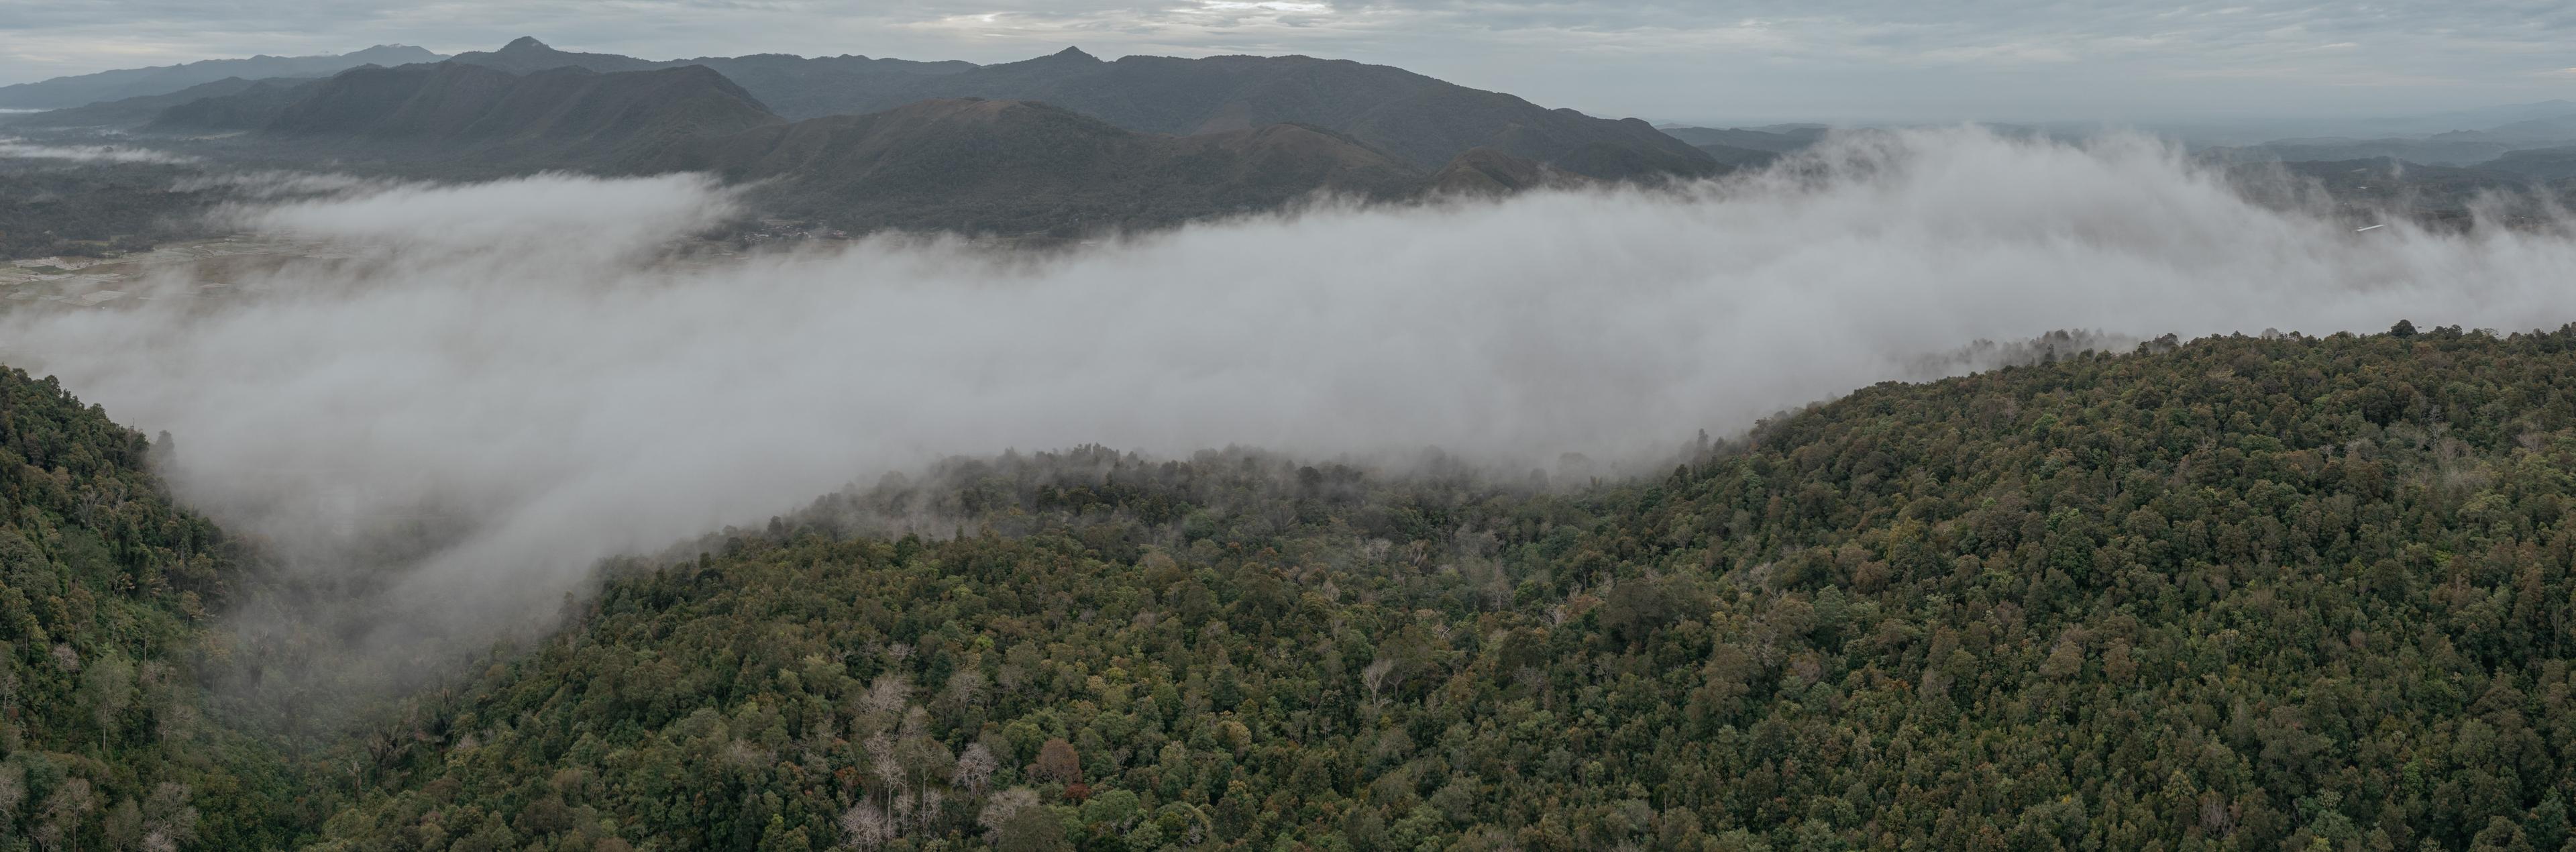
x=964, y=685
x=1380, y=677
x=887, y=695
x=926, y=812
x=1002, y=806
x=865, y=826
x=881, y=760
x=169, y=821
x=13, y=789
x=64, y=810
x=975, y=768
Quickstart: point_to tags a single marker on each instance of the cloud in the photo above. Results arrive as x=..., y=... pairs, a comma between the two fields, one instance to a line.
x=562, y=218
x=13, y=149
x=519, y=369
x=270, y=185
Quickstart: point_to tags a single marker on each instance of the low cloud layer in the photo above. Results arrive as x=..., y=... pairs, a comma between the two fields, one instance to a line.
x=14, y=149
x=508, y=364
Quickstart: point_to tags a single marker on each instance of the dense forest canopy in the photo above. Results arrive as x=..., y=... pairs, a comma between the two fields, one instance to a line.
x=2248, y=594
x=106, y=588
x=2244, y=593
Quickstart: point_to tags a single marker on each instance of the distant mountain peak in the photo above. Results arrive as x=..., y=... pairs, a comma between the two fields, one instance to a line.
x=1073, y=53
x=526, y=43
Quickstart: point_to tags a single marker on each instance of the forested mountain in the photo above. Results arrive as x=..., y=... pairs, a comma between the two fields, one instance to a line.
x=1014, y=167
x=251, y=108
x=63, y=92
x=2538, y=163
x=1485, y=171
x=2437, y=151
x=105, y=588
x=525, y=54
x=1424, y=121
x=969, y=165
x=559, y=116
x=141, y=109
x=795, y=86
x=1420, y=120
x=2244, y=594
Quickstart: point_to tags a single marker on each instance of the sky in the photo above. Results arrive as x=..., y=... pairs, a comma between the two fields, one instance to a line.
x=1741, y=61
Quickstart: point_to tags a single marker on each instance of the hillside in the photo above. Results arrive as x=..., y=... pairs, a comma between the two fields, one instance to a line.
x=795, y=86
x=2248, y=593
x=1487, y=172
x=61, y=92
x=134, y=111
x=1422, y=121
x=2437, y=151
x=1014, y=167
x=560, y=116
x=968, y=165
x=105, y=588
x=251, y=108
x=2538, y=163
x=525, y=54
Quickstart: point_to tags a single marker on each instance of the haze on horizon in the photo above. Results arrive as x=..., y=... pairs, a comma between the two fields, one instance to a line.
x=2271, y=63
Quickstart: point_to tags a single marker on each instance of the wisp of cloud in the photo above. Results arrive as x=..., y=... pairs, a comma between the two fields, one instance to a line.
x=15, y=149
x=512, y=360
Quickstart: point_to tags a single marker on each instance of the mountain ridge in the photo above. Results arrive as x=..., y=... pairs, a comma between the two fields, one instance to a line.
x=998, y=166
x=1421, y=119
x=558, y=116
x=85, y=89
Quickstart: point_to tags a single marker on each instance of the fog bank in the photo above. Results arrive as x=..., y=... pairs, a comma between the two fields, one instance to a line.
x=507, y=377
x=18, y=149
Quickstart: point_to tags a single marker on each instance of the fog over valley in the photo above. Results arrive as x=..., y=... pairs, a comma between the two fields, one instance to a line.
x=518, y=354
x=576, y=427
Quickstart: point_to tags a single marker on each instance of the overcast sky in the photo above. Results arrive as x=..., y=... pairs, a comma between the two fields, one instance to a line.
x=1661, y=59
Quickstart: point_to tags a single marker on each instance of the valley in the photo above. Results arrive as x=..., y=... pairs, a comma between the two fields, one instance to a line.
x=1213, y=443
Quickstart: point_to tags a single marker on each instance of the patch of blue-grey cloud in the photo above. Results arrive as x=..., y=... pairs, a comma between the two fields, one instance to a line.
x=1745, y=60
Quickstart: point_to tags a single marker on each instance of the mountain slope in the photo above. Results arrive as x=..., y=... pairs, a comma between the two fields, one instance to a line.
x=991, y=167
x=1423, y=121
x=2449, y=150
x=249, y=109
x=526, y=54
x=799, y=87
x=2538, y=163
x=795, y=86
x=128, y=112
x=1487, y=172
x=104, y=588
x=2253, y=594
x=61, y=92
x=559, y=116
x=1016, y=167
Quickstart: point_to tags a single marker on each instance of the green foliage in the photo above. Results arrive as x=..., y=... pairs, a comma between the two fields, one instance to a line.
x=103, y=585
x=2250, y=594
